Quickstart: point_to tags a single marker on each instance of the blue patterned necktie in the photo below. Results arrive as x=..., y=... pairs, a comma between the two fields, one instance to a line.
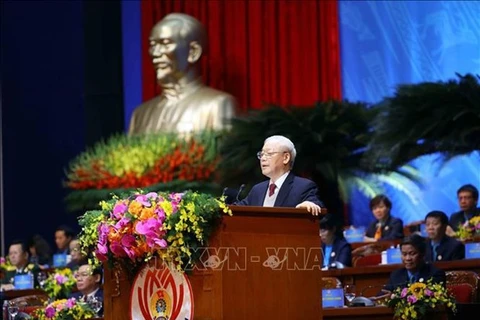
x=434, y=252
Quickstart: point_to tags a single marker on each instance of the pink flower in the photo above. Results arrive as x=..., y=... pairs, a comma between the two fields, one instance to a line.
x=128, y=240
x=143, y=200
x=404, y=292
x=149, y=227
x=101, y=252
x=122, y=223
x=411, y=299
x=119, y=210
x=117, y=249
x=50, y=312
x=60, y=279
x=428, y=292
x=103, y=230
x=2, y=260
x=160, y=213
x=71, y=303
x=151, y=195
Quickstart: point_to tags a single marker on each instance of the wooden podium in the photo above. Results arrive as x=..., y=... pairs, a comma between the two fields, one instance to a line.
x=264, y=263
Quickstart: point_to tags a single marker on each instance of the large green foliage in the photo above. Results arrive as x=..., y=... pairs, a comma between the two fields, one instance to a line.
x=331, y=139
x=426, y=118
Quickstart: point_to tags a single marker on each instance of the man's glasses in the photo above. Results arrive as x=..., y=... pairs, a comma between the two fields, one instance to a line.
x=267, y=155
x=78, y=275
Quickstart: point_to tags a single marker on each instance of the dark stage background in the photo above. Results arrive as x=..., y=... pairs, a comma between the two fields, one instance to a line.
x=61, y=70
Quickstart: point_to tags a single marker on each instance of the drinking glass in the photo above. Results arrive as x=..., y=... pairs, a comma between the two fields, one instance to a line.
x=41, y=277
x=13, y=309
x=96, y=304
x=350, y=292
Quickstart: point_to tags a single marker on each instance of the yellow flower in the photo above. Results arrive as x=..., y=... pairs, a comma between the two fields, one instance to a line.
x=135, y=208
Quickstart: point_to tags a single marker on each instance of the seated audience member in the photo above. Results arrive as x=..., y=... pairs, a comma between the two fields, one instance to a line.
x=88, y=284
x=77, y=257
x=18, y=255
x=40, y=251
x=334, y=246
x=283, y=189
x=467, y=196
x=63, y=236
x=385, y=227
x=415, y=268
x=441, y=247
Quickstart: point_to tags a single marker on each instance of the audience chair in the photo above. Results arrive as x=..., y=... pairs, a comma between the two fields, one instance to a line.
x=463, y=285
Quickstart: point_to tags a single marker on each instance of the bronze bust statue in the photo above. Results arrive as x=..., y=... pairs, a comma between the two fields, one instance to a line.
x=186, y=104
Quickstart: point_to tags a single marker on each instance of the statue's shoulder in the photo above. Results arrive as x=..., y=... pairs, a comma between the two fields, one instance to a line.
x=209, y=93
x=147, y=105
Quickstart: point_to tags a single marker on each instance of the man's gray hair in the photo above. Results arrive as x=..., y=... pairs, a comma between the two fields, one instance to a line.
x=285, y=143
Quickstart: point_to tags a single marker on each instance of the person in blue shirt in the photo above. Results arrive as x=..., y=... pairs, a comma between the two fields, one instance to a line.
x=441, y=247
x=415, y=268
x=337, y=252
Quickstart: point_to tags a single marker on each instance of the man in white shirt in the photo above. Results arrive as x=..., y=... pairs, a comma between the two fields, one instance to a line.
x=284, y=189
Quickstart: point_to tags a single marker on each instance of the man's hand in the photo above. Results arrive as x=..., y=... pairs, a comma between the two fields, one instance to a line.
x=311, y=207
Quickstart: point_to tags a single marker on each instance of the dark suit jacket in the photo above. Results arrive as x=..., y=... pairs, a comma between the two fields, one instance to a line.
x=341, y=252
x=294, y=191
x=448, y=249
x=399, y=277
x=458, y=218
x=99, y=294
x=77, y=294
x=393, y=229
x=10, y=274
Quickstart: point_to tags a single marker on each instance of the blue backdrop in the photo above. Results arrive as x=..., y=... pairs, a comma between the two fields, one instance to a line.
x=386, y=43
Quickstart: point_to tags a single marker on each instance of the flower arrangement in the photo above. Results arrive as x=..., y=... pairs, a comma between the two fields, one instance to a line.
x=5, y=264
x=65, y=309
x=157, y=161
x=59, y=284
x=470, y=229
x=419, y=298
x=133, y=229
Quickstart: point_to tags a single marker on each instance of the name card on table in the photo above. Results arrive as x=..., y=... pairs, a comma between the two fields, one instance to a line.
x=472, y=250
x=394, y=256
x=23, y=281
x=354, y=234
x=59, y=260
x=333, y=298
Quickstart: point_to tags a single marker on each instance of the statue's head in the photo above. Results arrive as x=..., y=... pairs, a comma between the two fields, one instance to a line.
x=176, y=45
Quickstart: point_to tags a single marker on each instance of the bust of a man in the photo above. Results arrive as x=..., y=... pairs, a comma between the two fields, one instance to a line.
x=186, y=104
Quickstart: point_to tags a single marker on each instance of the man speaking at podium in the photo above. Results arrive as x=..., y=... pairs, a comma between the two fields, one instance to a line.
x=284, y=189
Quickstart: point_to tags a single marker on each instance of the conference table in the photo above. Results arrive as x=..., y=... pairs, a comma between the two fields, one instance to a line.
x=369, y=279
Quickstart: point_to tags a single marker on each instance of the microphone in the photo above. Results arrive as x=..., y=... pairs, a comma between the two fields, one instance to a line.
x=224, y=191
x=239, y=192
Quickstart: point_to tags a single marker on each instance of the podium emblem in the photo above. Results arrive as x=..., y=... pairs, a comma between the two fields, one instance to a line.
x=161, y=293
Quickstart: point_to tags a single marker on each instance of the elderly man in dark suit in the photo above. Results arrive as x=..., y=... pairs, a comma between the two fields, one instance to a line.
x=441, y=247
x=284, y=189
